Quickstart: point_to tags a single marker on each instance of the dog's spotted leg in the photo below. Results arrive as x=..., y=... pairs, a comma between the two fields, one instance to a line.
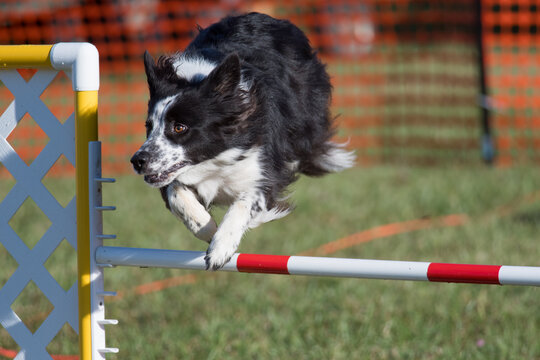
x=227, y=238
x=184, y=205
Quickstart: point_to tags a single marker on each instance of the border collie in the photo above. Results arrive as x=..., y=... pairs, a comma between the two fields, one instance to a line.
x=232, y=121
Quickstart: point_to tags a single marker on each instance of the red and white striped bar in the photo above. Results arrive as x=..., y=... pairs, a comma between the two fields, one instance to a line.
x=325, y=266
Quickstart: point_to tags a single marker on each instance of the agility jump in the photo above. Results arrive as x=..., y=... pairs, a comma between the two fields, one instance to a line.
x=80, y=61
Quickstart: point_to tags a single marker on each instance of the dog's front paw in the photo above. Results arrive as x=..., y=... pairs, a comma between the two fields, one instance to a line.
x=217, y=256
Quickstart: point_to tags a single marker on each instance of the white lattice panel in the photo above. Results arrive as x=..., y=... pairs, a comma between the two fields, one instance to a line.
x=63, y=220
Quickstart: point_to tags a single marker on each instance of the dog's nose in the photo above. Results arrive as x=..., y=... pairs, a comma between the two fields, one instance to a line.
x=139, y=160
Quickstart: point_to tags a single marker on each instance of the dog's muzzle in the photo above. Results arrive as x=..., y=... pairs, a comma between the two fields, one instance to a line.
x=140, y=163
x=164, y=175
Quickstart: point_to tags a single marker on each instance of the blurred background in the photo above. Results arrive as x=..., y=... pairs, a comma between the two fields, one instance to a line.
x=426, y=92
x=415, y=82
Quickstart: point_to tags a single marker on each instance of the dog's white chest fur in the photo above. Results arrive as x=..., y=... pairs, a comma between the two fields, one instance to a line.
x=226, y=177
x=231, y=178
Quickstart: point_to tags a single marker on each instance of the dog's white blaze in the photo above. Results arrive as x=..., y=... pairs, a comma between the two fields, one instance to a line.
x=169, y=154
x=158, y=114
x=191, y=68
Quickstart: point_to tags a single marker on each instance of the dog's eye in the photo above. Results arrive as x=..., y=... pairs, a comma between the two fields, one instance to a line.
x=180, y=128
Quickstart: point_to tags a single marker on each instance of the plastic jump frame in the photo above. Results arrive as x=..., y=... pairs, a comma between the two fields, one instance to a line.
x=80, y=61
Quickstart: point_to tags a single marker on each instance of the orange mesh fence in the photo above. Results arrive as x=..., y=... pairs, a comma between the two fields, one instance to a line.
x=512, y=43
x=405, y=73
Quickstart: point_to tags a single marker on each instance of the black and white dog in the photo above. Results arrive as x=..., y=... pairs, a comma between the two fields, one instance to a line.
x=233, y=120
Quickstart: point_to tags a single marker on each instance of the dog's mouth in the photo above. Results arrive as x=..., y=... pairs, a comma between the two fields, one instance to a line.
x=163, y=177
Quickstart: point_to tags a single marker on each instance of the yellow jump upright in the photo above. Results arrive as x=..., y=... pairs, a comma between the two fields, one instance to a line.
x=80, y=61
x=86, y=130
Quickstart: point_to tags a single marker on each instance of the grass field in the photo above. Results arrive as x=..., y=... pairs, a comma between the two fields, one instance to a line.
x=240, y=316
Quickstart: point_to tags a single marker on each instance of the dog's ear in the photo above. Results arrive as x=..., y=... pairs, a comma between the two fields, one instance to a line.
x=161, y=74
x=150, y=68
x=225, y=78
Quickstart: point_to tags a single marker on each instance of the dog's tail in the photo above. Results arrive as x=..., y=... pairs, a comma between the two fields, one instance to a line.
x=332, y=157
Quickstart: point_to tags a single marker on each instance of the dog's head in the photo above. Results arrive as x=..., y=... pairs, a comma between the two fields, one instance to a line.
x=196, y=110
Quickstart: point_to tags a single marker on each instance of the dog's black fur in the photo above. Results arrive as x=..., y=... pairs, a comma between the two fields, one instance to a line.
x=267, y=91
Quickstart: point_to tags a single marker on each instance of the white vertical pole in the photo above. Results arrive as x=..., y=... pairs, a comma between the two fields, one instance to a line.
x=97, y=291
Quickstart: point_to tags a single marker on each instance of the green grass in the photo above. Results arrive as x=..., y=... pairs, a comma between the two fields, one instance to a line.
x=246, y=316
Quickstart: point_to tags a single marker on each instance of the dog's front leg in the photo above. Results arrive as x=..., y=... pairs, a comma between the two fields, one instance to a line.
x=230, y=232
x=185, y=206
